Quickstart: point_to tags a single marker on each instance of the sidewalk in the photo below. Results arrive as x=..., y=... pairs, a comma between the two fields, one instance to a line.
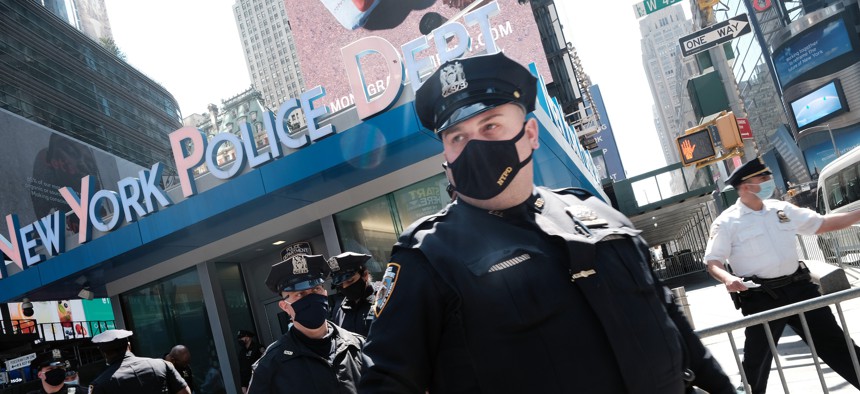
x=710, y=305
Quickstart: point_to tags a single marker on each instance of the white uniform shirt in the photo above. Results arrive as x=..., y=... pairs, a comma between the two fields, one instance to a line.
x=761, y=243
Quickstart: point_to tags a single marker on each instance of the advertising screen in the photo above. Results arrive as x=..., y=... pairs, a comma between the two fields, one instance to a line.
x=819, y=105
x=37, y=162
x=322, y=27
x=818, y=45
x=65, y=319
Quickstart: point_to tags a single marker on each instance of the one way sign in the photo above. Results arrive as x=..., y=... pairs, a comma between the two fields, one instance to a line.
x=714, y=35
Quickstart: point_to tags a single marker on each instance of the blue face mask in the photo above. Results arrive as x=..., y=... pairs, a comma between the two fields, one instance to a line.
x=766, y=189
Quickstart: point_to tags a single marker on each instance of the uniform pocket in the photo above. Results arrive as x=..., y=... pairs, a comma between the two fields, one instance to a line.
x=750, y=242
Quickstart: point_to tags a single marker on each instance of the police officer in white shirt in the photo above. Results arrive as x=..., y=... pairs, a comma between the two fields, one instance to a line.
x=757, y=237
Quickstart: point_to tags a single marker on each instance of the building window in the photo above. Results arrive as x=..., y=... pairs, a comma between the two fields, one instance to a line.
x=373, y=227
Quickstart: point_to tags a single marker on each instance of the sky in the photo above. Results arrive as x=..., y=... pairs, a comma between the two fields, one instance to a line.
x=192, y=48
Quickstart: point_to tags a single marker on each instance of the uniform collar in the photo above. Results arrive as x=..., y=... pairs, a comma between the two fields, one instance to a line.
x=533, y=204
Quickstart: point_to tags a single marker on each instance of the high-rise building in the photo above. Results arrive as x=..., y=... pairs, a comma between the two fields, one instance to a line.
x=88, y=16
x=54, y=75
x=660, y=57
x=270, y=51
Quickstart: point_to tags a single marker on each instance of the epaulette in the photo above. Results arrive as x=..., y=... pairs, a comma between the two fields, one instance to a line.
x=406, y=237
x=576, y=191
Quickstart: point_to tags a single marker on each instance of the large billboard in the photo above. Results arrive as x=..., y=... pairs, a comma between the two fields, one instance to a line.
x=814, y=47
x=36, y=162
x=322, y=27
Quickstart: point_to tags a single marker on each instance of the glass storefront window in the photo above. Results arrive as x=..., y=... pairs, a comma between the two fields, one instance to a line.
x=373, y=227
x=171, y=312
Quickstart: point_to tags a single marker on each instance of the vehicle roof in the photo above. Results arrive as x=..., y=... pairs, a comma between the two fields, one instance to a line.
x=842, y=161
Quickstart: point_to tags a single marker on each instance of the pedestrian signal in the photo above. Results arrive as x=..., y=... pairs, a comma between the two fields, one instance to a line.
x=730, y=135
x=696, y=146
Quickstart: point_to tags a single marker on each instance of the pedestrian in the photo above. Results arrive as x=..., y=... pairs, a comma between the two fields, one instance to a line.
x=52, y=373
x=249, y=352
x=514, y=288
x=352, y=278
x=180, y=356
x=129, y=374
x=314, y=355
x=756, y=238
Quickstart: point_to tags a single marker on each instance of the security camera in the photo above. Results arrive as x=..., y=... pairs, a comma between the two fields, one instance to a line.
x=27, y=308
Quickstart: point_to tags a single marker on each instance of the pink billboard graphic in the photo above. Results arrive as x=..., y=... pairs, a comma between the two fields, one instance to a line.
x=322, y=27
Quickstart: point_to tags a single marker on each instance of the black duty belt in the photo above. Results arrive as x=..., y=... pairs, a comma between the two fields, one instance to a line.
x=768, y=284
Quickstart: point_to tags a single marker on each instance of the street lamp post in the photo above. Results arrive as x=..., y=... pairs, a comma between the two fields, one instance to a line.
x=820, y=128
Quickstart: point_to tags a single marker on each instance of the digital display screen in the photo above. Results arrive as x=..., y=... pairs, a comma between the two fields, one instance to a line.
x=696, y=146
x=820, y=104
x=814, y=47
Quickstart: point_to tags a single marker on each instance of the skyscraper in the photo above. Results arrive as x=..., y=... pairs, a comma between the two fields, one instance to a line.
x=662, y=62
x=270, y=51
x=88, y=16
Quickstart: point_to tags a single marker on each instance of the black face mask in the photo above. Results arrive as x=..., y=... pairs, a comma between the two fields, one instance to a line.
x=55, y=377
x=356, y=291
x=486, y=168
x=311, y=310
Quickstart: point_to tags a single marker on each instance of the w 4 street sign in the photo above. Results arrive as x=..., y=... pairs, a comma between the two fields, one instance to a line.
x=649, y=6
x=714, y=35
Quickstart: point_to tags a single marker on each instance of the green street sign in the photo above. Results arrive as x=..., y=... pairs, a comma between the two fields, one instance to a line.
x=650, y=6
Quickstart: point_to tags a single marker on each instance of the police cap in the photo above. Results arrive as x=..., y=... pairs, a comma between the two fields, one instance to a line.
x=298, y=272
x=746, y=171
x=345, y=265
x=46, y=360
x=463, y=88
x=112, y=338
x=245, y=333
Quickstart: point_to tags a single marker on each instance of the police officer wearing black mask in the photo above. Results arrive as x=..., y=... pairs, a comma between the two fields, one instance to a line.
x=315, y=355
x=514, y=288
x=52, y=372
x=352, y=278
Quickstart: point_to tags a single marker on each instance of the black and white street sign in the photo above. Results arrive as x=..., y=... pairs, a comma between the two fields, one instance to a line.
x=714, y=35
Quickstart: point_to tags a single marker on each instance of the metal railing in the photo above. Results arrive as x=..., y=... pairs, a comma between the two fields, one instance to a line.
x=840, y=248
x=679, y=264
x=764, y=318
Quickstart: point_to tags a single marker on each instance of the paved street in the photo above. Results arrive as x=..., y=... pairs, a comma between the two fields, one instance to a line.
x=710, y=305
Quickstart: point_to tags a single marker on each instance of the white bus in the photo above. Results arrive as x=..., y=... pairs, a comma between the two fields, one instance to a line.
x=839, y=191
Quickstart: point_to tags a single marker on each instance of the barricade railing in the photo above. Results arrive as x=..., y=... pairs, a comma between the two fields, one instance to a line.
x=840, y=248
x=679, y=264
x=764, y=318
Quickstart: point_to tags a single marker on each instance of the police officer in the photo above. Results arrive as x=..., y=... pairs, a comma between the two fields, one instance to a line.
x=315, y=355
x=180, y=357
x=249, y=352
x=757, y=237
x=129, y=374
x=52, y=372
x=514, y=288
x=351, y=276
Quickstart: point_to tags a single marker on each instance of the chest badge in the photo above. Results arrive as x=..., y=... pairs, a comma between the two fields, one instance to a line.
x=783, y=218
x=585, y=215
x=582, y=274
x=288, y=352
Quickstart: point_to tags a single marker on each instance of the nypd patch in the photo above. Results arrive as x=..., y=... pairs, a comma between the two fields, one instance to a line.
x=389, y=280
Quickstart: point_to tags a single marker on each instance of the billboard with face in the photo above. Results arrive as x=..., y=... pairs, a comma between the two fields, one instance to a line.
x=322, y=27
x=37, y=162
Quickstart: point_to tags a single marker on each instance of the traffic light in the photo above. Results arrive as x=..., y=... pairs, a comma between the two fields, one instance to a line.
x=730, y=136
x=696, y=146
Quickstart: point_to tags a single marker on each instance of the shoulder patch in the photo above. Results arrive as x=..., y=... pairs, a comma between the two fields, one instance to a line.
x=389, y=280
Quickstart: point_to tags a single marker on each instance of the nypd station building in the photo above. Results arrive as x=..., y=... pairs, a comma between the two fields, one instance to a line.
x=186, y=264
